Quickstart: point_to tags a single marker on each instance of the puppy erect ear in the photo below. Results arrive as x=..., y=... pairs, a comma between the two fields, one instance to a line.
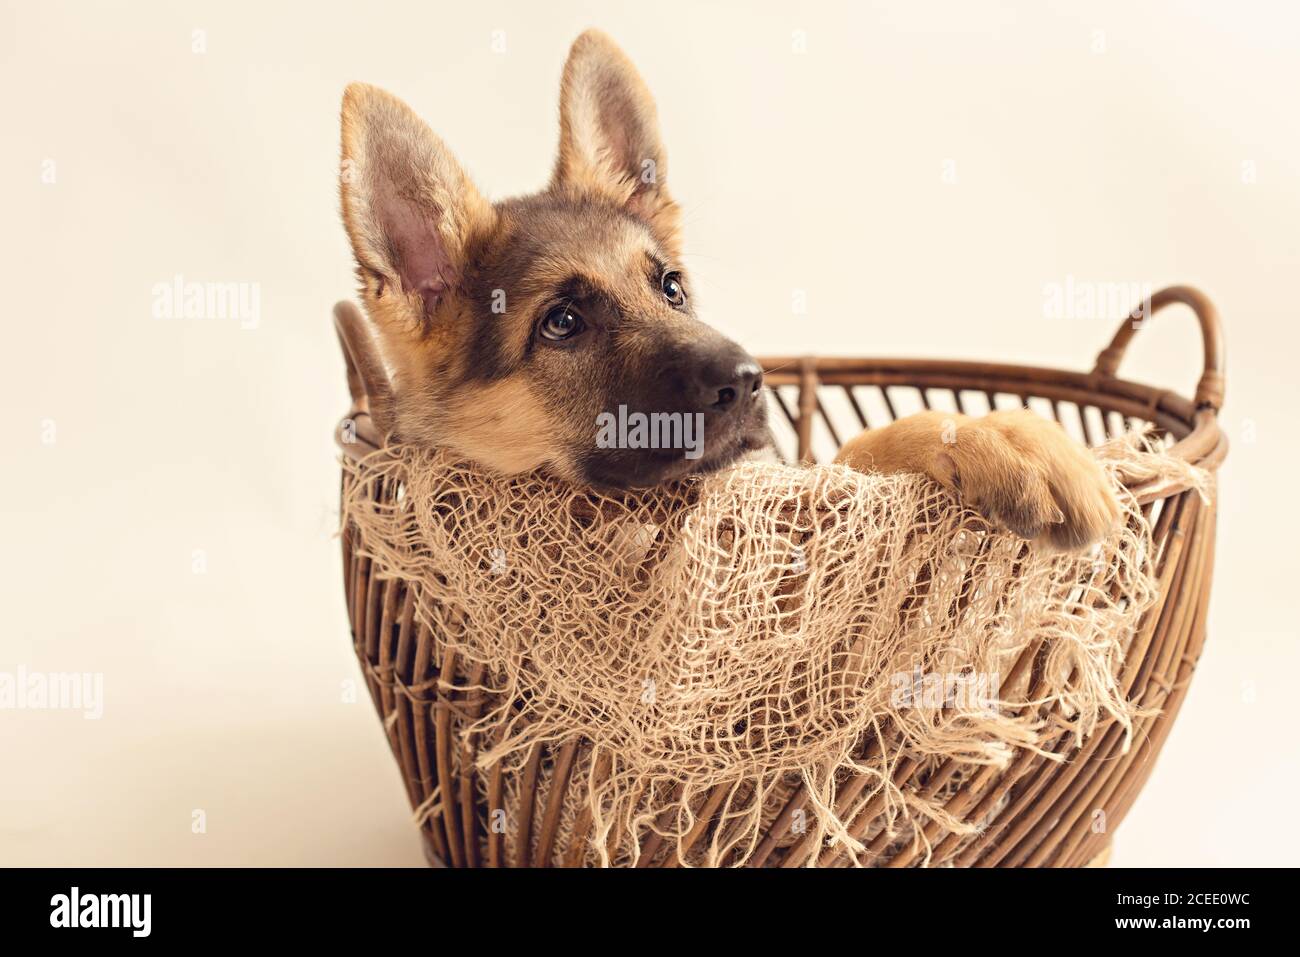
x=409, y=209
x=609, y=135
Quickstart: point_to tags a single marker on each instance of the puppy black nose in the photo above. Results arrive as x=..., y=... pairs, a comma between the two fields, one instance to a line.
x=726, y=377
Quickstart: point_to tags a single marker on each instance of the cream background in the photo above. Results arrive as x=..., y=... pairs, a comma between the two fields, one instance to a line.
x=819, y=172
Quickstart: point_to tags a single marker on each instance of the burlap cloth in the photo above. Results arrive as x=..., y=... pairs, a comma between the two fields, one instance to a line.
x=734, y=638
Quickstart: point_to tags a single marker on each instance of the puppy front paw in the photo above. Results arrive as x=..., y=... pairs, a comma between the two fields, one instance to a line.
x=1026, y=474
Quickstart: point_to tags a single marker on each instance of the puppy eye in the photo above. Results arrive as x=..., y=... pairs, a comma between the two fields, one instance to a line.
x=561, y=323
x=671, y=284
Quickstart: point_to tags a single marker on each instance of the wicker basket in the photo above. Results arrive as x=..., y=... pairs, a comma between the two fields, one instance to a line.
x=1042, y=813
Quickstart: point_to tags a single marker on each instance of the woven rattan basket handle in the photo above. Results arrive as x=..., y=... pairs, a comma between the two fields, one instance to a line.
x=1209, y=391
x=367, y=376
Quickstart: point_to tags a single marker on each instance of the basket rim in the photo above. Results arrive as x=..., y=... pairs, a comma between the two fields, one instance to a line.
x=1201, y=441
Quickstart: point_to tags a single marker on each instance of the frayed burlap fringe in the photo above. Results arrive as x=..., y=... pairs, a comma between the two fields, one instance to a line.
x=730, y=640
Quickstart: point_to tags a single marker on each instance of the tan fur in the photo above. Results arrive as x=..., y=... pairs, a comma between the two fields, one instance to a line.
x=382, y=137
x=610, y=259
x=609, y=136
x=1016, y=468
x=503, y=423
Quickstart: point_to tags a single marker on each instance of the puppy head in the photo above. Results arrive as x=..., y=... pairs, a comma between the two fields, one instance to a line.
x=555, y=330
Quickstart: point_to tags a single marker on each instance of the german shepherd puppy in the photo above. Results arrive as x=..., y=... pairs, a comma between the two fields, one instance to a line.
x=509, y=330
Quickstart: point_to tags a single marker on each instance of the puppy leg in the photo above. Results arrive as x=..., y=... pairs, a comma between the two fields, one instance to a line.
x=1015, y=468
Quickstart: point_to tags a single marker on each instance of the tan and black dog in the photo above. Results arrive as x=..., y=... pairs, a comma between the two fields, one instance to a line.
x=510, y=330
